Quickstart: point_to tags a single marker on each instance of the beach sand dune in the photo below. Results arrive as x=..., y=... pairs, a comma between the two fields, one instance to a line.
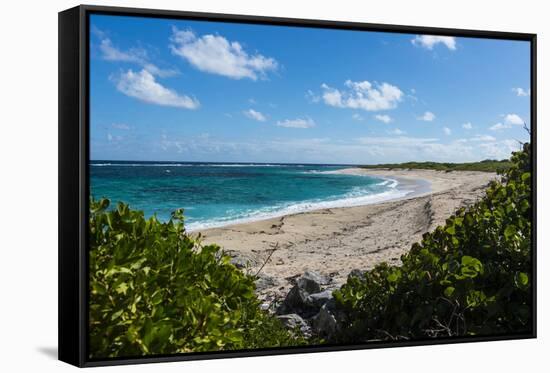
x=335, y=241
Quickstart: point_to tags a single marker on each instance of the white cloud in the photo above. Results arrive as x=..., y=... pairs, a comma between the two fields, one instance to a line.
x=358, y=117
x=429, y=41
x=97, y=32
x=163, y=73
x=312, y=97
x=216, y=55
x=499, y=126
x=427, y=116
x=297, y=123
x=447, y=131
x=513, y=119
x=499, y=150
x=402, y=148
x=509, y=120
x=432, y=149
x=484, y=138
x=396, y=131
x=111, y=53
x=521, y=92
x=363, y=95
x=365, y=150
x=143, y=86
x=134, y=55
x=397, y=141
x=256, y=115
x=383, y=118
x=332, y=97
x=467, y=126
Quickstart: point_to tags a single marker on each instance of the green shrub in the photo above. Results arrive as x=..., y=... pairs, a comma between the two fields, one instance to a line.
x=488, y=165
x=469, y=277
x=155, y=290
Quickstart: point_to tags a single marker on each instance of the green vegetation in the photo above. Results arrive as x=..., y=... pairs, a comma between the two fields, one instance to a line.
x=155, y=290
x=487, y=165
x=469, y=277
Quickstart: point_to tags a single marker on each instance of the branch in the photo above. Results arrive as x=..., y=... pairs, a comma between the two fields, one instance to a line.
x=526, y=128
x=267, y=260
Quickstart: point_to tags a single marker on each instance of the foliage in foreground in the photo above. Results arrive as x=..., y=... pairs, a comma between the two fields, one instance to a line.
x=155, y=290
x=487, y=165
x=469, y=277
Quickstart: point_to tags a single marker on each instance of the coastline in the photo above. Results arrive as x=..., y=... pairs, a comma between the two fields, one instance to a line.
x=405, y=187
x=335, y=241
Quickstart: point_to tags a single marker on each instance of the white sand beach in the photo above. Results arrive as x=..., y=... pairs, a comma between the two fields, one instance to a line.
x=334, y=241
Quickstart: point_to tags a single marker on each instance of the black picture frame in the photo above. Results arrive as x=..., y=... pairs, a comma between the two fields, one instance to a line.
x=73, y=101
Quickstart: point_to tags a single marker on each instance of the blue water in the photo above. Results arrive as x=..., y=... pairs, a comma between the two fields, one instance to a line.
x=215, y=194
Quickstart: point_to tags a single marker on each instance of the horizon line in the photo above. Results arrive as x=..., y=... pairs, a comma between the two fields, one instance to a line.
x=291, y=163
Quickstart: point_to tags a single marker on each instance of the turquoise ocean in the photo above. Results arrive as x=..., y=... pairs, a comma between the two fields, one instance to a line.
x=218, y=194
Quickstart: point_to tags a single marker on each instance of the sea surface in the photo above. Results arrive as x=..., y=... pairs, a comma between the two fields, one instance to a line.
x=218, y=194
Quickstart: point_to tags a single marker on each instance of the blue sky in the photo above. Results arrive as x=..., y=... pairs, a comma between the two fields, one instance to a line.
x=172, y=90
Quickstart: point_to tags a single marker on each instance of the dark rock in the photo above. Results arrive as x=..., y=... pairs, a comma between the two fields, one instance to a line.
x=317, y=300
x=312, y=281
x=325, y=322
x=299, y=301
x=357, y=273
x=292, y=279
x=292, y=320
x=295, y=301
x=305, y=297
x=265, y=281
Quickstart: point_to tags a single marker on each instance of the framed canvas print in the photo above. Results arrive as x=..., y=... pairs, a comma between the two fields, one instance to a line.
x=236, y=185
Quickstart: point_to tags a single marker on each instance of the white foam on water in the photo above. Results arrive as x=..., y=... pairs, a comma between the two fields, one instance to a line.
x=389, y=182
x=354, y=198
x=142, y=165
x=331, y=172
x=193, y=165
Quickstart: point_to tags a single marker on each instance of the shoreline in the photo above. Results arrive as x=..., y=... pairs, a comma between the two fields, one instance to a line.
x=405, y=188
x=335, y=241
